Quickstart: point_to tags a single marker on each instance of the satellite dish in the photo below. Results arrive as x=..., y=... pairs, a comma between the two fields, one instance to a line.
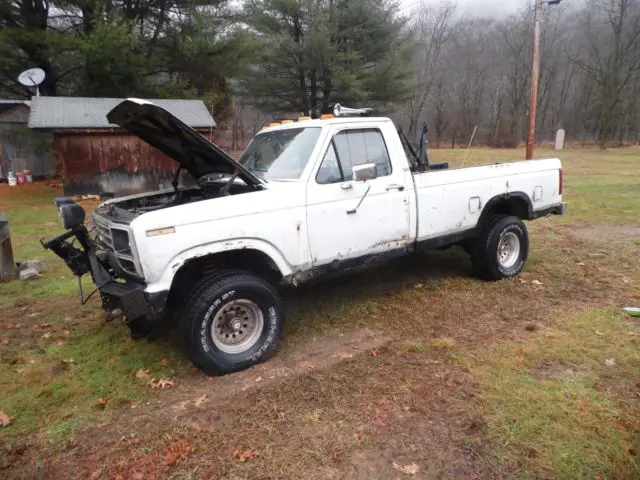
x=32, y=78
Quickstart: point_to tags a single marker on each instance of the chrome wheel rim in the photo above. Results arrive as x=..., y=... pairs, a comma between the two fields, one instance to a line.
x=508, y=250
x=237, y=326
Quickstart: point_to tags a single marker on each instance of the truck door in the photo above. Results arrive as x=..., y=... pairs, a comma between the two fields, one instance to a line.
x=349, y=219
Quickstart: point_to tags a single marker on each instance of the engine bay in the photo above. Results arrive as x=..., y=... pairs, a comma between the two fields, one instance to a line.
x=127, y=209
x=165, y=200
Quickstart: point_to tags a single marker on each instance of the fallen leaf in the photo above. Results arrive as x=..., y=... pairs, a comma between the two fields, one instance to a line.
x=165, y=362
x=410, y=469
x=419, y=285
x=610, y=362
x=143, y=374
x=536, y=283
x=599, y=333
x=45, y=325
x=375, y=353
x=5, y=420
x=96, y=474
x=102, y=402
x=5, y=341
x=581, y=264
x=176, y=451
x=60, y=365
x=198, y=403
x=46, y=335
x=259, y=379
x=244, y=455
x=162, y=383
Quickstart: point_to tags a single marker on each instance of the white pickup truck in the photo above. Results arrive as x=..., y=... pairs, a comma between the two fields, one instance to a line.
x=306, y=199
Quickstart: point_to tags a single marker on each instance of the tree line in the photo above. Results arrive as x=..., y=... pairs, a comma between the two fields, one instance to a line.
x=256, y=60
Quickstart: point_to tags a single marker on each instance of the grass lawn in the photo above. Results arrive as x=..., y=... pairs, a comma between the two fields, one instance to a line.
x=535, y=377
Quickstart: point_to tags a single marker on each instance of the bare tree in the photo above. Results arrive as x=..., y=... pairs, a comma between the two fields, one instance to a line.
x=432, y=31
x=610, y=57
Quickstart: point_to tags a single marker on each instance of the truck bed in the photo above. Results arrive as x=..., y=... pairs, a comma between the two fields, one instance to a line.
x=451, y=201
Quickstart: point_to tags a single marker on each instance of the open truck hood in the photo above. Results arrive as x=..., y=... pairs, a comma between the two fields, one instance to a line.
x=179, y=141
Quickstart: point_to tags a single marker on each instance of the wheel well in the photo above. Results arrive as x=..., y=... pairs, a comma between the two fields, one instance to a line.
x=196, y=269
x=517, y=204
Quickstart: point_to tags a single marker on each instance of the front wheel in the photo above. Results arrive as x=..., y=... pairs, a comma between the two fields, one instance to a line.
x=502, y=249
x=232, y=321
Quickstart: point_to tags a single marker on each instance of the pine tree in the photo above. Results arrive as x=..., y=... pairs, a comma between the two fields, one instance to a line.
x=315, y=53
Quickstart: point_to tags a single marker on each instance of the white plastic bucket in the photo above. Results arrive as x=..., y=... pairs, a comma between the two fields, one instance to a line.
x=13, y=181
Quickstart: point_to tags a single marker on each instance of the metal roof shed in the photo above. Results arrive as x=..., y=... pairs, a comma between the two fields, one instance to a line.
x=21, y=148
x=94, y=156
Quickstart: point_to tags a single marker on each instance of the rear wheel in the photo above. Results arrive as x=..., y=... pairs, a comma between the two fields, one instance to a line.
x=502, y=249
x=231, y=322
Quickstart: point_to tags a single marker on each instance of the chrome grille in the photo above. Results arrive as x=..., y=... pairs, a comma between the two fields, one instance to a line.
x=103, y=232
x=117, y=240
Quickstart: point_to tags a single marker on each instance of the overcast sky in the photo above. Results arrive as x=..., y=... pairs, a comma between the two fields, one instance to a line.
x=479, y=7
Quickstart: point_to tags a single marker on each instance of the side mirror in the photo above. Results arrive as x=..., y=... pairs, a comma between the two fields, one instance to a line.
x=72, y=215
x=364, y=172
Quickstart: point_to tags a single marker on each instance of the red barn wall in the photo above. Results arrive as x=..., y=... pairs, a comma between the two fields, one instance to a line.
x=95, y=161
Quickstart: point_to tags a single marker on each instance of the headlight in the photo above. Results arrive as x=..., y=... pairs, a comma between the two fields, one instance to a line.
x=72, y=215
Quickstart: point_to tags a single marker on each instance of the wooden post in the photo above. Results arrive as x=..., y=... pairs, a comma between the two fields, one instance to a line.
x=8, y=269
x=535, y=77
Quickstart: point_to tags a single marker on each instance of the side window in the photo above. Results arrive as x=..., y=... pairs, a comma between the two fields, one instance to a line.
x=357, y=147
x=350, y=148
x=329, y=171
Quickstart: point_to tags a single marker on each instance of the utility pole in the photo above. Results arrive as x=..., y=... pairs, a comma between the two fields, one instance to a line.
x=535, y=74
x=535, y=78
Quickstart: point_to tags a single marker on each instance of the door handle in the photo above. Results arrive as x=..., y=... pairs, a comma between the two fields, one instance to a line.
x=346, y=186
x=394, y=186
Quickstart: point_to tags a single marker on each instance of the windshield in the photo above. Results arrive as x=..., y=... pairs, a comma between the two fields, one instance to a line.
x=282, y=154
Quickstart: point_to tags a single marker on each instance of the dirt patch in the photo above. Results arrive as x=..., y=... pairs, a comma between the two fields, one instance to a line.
x=555, y=371
x=198, y=403
x=198, y=406
x=607, y=233
x=352, y=419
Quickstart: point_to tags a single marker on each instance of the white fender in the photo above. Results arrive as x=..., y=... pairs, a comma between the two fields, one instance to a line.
x=169, y=272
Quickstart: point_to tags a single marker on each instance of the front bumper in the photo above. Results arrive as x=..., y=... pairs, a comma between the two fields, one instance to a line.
x=117, y=290
x=557, y=209
x=131, y=298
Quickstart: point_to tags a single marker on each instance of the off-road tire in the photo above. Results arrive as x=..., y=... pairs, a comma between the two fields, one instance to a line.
x=484, y=253
x=211, y=296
